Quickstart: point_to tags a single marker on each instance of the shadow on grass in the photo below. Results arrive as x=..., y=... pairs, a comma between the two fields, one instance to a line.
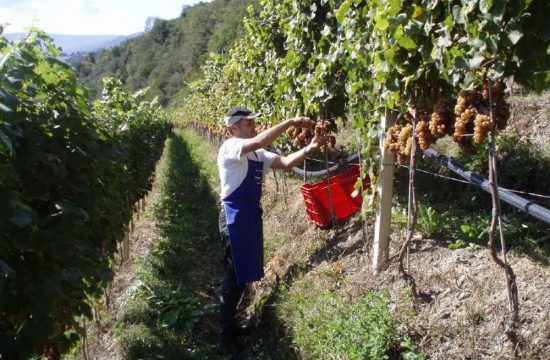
x=183, y=269
x=188, y=218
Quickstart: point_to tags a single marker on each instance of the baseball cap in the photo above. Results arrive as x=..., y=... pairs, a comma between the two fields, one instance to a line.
x=237, y=113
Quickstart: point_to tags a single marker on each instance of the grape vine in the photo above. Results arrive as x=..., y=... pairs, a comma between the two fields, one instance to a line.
x=71, y=174
x=358, y=59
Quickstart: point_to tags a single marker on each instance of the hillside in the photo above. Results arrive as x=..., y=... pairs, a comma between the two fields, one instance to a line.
x=170, y=54
x=81, y=43
x=462, y=312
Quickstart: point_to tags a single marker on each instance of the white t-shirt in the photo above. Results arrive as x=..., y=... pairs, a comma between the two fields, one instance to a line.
x=233, y=167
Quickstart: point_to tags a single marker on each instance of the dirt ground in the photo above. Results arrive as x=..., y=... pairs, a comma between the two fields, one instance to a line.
x=530, y=118
x=464, y=312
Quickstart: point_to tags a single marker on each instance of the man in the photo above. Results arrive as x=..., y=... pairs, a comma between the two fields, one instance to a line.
x=242, y=163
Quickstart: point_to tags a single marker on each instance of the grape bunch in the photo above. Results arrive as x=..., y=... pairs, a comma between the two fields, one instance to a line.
x=392, y=135
x=441, y=120
x=323, y=131
x=501, y=110
x=482, y=126
x=301, y=136
x=473, y=110
x=465, y=112
x=405, y=140
x=399, y=140
x=423, y=133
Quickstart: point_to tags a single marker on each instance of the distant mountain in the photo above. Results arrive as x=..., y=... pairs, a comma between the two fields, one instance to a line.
x=82, y=43
x=169, y=55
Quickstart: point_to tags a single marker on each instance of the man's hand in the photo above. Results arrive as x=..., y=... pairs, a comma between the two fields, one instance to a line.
x=301, y=121
x=314, y=144
x=287, y=162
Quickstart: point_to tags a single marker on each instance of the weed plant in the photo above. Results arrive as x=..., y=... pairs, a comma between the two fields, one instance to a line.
x=327, y=326
x=461, y=213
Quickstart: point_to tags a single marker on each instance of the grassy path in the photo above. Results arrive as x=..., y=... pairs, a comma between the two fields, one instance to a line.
x=182, y=271
x=164, y=301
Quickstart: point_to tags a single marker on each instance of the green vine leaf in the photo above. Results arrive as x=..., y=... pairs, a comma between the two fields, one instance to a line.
x=404, y=40
x=476, y=61
x=515, y=36
x=343, y=10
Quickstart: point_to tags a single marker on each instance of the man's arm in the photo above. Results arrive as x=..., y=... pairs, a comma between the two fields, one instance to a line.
x=289, y=161
x=268, y=136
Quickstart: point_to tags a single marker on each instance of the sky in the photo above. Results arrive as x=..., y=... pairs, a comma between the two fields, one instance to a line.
x=86, y=17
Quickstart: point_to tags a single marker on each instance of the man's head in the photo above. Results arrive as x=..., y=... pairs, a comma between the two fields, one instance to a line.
x=240, y=122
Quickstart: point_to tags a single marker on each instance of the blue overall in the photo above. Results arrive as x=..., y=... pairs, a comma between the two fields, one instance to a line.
x=244, y=221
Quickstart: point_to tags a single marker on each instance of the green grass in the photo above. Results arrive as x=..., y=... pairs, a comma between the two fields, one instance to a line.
x=461, y=213
x=170, y=312
x=327, y=326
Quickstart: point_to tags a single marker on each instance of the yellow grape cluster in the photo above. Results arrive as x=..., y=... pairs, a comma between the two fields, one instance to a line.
x=300, y=136
x=424, y=135
x=482, y=126
x=399, y=141
x=323, y=131
x=473, y=110
x=465, y=112
x=399, y=138
x=392, y=135
x=441, y=120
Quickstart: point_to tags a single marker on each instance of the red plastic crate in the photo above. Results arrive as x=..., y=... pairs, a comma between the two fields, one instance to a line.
x=316, y=197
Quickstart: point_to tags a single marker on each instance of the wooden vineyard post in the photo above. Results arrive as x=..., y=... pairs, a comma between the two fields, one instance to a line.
x=385, y=190
x=511, y=285
x=126, y=246
x=360, y=161
x=305, y=170
x=331, y=205
x=107, y=299
x=85, y=339
x=285, y=187
x=276, y=182
x=412, y=210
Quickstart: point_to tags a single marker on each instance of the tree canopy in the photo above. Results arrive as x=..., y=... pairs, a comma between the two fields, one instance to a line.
x=170, y=53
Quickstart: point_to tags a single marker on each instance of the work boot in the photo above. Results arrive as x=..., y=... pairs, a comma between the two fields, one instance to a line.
x=230, y=347
x=242, y=330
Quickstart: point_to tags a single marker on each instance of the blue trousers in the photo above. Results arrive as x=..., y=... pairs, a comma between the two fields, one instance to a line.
x=231, y=291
